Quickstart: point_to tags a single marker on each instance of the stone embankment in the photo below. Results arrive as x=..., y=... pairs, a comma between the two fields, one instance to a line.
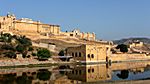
x=19, y=62
x=128, y=57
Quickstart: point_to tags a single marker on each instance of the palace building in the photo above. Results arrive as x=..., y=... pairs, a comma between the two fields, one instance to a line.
x=90, y=53
x=10, y=23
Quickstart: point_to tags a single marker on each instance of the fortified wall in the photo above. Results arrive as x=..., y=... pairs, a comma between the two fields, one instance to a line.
x=9, y=23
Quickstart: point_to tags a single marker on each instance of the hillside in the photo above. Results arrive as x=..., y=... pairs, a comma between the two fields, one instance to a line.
x=127, y=40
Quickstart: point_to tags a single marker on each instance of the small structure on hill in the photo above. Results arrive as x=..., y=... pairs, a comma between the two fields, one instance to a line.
x=136, y=43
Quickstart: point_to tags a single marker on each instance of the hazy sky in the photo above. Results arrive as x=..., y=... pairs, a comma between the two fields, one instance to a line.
x=109, y=19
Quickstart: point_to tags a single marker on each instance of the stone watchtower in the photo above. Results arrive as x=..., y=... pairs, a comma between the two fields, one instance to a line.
x=6, y=22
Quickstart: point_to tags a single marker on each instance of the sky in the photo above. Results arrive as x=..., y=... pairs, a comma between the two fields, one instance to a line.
x=108, y=19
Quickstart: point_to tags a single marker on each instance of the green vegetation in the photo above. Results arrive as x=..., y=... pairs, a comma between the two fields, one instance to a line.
x=5, y=37
x=33, y=54
x=44, y=74
x=10, y=54
x=20, y=48
x=30, y=49
x=43, y=54
x=12, y=44
x=123, y=48
x=61, y=53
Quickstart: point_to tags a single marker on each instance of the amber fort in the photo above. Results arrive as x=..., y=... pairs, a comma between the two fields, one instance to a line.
x=11, y=23
x=89, y=49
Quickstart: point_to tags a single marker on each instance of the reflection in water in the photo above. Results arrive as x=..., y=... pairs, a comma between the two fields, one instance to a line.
x=43, y=74
x=72, y=74
x=124, y=74
x=62, y=69
x=9, y=78
x=90, y=73
x=24, y=79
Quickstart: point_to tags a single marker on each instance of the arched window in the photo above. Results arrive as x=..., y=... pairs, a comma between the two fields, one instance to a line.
x=80, y=72
x=92, y=56
x=88, y=55
x=79, y=54
x=76, y=54
x=89, y=70
x=73, y=54
x=92, y=70
x=73, y=72
x=76, y=72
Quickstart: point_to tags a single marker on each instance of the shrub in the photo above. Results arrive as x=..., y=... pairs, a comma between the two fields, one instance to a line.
x=34, y=54
x=7, y=47
x=10, y=54
x=43, y=54
x=123, y=48
x=30, y=49
x=61, y=53
x=24, y=41
x=20, y=48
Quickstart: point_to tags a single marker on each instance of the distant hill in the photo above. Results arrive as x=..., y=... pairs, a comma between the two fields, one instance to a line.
x=127, y=40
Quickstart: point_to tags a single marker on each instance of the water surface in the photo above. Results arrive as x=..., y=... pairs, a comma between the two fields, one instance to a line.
x=74, y=74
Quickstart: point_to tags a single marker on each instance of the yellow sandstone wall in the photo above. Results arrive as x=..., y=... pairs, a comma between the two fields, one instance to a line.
x=89, y=53
x=25, y=27
x=128, y=57
x=78, y=53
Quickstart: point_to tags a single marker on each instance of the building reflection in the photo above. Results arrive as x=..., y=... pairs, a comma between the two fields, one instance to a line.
x=90, y=73
x=73, y=74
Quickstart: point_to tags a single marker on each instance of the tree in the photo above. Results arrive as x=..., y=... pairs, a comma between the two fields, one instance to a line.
x=7, y=47
x=43, y=54
x=24, y=41
x=123, y=48
x=30, y=49
x=10, y=54
x=61, y=53
x=20, y=48
x=6, y=38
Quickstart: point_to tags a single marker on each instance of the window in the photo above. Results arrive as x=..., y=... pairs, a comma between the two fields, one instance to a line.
x=73, y=72
x=92, y=55
x=80, y=72
x=76, y=72
x=73, y=54
x=71, y=34
x=76, y=54
x=89, y=70
x=92, y=70
x=79, y=54
x=88, y=55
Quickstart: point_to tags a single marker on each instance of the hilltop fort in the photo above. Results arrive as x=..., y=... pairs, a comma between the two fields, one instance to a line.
x=10, y=23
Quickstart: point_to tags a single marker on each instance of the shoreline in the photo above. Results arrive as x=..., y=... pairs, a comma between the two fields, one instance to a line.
x=14, y=63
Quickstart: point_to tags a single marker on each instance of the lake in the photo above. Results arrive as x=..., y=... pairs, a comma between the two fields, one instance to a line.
x=76, y=74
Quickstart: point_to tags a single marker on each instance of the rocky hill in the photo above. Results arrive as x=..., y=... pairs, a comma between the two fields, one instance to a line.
x=127, y=40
